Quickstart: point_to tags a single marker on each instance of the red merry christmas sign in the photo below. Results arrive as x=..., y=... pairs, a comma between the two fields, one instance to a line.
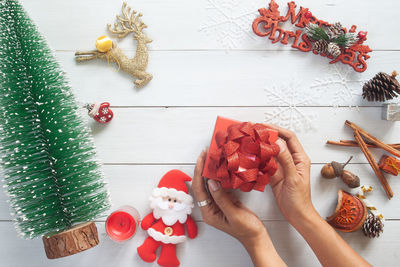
x=268, y=24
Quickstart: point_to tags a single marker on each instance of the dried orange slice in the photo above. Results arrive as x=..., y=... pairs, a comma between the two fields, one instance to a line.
x=350, y=213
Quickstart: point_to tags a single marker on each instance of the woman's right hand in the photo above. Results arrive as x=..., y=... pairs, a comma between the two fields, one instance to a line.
x=291, y=187
x=291, y=182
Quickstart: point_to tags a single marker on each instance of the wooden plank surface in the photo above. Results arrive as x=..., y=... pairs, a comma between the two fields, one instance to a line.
x=211, y=248
x=171, y=135
x=133, y=184
x=178, y=24
x=207, y=62
x=236, y=78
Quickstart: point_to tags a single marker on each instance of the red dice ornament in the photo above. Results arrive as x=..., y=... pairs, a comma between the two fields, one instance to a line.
x=390, y=165
x=100, y=112
x=242, y=155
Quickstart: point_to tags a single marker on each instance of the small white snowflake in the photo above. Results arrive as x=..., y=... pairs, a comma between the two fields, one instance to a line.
x=289, y=102
x=103, y=119
x=229, y=21
x=340, y=85
x=104, y=110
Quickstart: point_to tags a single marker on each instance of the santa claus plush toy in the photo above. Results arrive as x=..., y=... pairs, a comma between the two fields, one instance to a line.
x=171, y=204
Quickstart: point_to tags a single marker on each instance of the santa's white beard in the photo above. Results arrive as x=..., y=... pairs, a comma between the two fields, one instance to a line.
x=170, y=216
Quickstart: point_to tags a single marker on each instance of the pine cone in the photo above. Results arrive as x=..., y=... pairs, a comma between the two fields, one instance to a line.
x=372, y=226
x=382, y=87
x=335, y=30
x=334, y=49
x=321, y=46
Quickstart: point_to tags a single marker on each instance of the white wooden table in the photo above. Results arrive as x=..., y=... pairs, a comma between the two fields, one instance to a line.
x=207, y=62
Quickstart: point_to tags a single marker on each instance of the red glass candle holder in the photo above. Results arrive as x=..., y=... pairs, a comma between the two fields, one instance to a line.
x=121, y=225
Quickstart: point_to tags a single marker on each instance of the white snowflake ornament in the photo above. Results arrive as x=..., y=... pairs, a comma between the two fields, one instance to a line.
x=288, y=106
x=229, y=21
x=340, y=85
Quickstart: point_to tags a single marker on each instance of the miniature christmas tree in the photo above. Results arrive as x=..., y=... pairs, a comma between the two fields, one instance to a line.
x=48, y=157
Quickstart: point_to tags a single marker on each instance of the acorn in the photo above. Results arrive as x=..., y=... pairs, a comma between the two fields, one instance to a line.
x=350, y=179
x=333, y=169
x=336, y=169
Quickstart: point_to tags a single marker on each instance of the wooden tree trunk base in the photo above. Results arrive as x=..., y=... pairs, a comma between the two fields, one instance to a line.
x=77, y=239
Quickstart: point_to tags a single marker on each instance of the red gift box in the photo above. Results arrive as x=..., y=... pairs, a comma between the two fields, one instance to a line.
x=242, y=155
x=389, y=165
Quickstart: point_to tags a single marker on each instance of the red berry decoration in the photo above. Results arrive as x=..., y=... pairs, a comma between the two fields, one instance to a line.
x=308, y=15
x=362, y=35
x=100, y=112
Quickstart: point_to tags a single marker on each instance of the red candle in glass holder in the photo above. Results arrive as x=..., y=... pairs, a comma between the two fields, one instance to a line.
x=121, y=224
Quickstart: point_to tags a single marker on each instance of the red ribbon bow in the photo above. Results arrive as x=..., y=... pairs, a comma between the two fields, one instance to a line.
x=245, y=157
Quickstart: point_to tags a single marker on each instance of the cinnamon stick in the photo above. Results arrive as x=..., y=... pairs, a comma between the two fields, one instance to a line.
x=352, y=143
x=373, y=139
x=368, y=143
x=372, y=162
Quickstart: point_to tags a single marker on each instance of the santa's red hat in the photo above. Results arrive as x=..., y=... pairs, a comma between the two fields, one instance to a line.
x=172, y=184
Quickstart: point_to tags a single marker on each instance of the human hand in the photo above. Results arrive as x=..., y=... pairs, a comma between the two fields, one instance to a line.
x=226, y=212
x=291, y=187
x=291, y=183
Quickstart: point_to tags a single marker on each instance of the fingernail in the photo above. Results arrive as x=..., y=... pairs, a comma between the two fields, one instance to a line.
x=213, y=185
x=281, y=144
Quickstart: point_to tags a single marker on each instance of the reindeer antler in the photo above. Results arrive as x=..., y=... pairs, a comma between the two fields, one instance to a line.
x=129, y=23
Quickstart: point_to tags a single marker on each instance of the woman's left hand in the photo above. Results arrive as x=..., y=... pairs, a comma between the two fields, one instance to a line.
x=226, y=212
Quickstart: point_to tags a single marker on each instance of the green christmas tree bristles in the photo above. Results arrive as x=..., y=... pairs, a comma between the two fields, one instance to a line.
x=49, y=167
x=316, y=32
x=342, y=39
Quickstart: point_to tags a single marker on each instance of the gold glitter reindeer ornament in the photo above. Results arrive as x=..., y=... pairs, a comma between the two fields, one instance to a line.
x=127, y=22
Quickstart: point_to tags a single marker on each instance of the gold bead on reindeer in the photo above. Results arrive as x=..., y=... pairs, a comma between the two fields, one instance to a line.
x=127, y=23
x=103, y=44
